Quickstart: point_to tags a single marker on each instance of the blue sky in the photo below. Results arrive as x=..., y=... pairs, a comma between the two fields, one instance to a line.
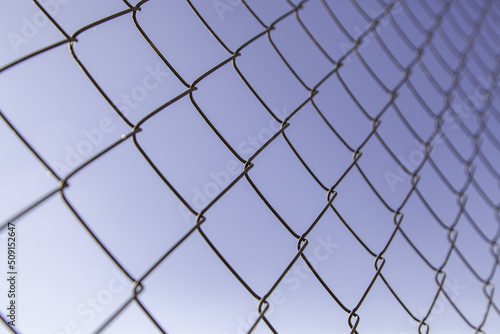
x=218, y=122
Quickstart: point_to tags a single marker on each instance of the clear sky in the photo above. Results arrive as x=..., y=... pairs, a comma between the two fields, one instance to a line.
x=273, y=128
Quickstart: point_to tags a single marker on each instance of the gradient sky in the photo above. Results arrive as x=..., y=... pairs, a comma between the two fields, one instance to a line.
x=68, y=284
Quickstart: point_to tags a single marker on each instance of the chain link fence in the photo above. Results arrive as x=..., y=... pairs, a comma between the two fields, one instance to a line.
x=251, y=166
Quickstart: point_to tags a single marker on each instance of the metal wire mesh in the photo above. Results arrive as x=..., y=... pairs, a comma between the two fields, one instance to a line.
x=466, y=59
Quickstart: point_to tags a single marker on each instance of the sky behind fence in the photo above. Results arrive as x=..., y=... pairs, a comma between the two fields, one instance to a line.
x=233, y=166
